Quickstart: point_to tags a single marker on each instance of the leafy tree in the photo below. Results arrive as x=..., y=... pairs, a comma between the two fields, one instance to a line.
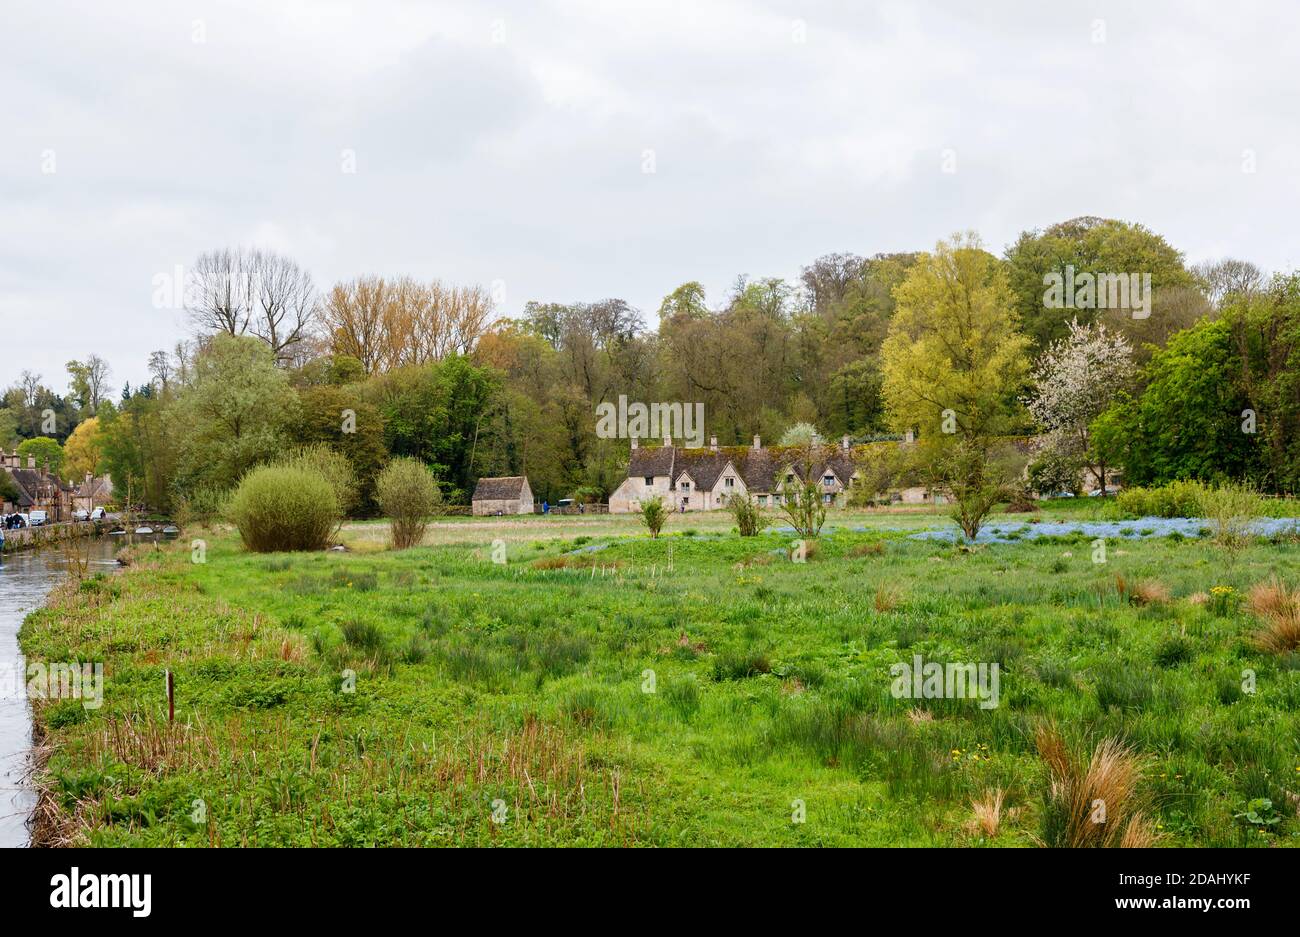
x=1092, y=245
x=409, y=496
x=653, y=514
x=1187, y=420
x=46, y=451
x=954, y=360
x=1074, y=381
x=84, y=452
x=235, y=413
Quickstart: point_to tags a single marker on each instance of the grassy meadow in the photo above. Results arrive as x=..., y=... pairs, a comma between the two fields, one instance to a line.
x=603, y=688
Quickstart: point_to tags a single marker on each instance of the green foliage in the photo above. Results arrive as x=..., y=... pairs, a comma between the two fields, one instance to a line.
x=653, y=514
x=203, y=506
x=1187, y=421
x=234, y=414
x=409, y=497
x=45, y=450
x=281, y=508
x=333, y=466
x=749, y=517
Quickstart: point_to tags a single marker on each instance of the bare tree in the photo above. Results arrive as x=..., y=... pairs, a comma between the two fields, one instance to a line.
x=1222, y=278
x=160, y=366
x=282, y=304
x=221, y=295
x=253, y=292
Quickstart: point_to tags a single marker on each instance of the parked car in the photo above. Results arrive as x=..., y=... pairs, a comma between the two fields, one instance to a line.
x=37, y=518
x=81, y=515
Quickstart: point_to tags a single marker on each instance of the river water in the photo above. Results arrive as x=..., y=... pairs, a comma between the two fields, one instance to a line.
x=25, y=580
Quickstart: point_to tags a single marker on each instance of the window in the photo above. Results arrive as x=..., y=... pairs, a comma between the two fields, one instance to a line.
x=649, y=481
x=828, y=480
x=789, y=479
x=729, y=482
x=685, y=486
x=762, y=501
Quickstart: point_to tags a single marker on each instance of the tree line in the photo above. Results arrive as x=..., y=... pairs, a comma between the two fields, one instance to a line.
x=956, y=344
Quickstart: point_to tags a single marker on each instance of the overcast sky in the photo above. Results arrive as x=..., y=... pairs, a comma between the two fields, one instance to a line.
x=510, y=142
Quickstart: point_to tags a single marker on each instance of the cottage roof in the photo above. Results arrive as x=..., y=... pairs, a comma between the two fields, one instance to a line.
x=25, y=499
x=655, y=460
x=100, y=487
x=507, y=488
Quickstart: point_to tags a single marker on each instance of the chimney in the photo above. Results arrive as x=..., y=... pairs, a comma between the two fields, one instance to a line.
x=89, y=478
x=31, y=461
x=758, y=443
x=844, y=443
x=713, y=443
x=633, y=442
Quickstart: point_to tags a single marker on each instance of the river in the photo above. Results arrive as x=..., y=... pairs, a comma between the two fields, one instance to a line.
x=25, y=580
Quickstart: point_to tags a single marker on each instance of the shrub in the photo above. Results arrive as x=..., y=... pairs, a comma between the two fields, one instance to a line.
x=277, y=507
x=1231, y=509
x=653, y=515
x=409, y=497
x=750, y=518
x=334, y=466
x=203, y=506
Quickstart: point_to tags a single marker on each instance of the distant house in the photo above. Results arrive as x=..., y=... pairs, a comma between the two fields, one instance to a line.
x=509, y=495
x=93, y=493
x=706, y=479
x=38, y=489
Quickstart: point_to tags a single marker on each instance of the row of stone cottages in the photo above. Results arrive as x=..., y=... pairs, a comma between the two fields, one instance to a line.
x=705, y=479
x=39, y=489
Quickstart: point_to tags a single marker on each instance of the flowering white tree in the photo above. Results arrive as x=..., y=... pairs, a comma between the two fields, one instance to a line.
x=1075, y=379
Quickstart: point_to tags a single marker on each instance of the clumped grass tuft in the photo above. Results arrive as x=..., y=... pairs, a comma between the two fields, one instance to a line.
x=682, y=694
x=1093, y=802
x=737, y=665
x=1278, y=608
x=1174, y=651
x=1124, y=687
x=1148, y=592
x=988, y=812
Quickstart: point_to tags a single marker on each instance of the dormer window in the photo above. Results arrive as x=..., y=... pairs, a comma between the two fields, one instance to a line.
x=828, y=480
x=729, y=482
x=789, y=479
x=685, y=486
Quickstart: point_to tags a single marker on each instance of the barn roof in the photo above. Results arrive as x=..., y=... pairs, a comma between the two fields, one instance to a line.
x=508, y=488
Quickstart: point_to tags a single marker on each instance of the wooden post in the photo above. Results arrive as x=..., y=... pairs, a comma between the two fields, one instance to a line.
x=171, y=697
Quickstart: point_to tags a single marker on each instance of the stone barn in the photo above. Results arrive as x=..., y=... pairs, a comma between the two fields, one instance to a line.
x=510, y=495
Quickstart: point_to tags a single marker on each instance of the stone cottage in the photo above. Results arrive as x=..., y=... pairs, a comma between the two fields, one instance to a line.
x=705, y=479
x=509, y=495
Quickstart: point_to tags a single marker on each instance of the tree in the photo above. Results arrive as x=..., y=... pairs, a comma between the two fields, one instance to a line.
x=84, y=453
x=800, y=434
x=89, y=382
x=653, y=514
x=258, y=292
x=45, y=450
x=801, y=494
x=1074, y=381
x=954, y=362
x=235, y=413
x=1091, y=246
x=1186, y=421
x=409, y=497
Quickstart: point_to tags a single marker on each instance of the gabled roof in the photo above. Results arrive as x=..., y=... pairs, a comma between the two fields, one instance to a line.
x=508, y=488
x=657, y=460
x=25, y=499
x=101, y=487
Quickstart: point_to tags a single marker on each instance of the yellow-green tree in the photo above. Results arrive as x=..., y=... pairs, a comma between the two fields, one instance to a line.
x=84, y=453
x=954, y=359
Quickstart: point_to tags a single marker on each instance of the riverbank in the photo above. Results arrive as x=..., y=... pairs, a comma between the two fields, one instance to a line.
x=33, y=538
x=25, y=581
x=684, y=691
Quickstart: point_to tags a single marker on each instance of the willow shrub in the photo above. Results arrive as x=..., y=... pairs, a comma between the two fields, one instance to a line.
x=282, y=507
x=409, y=497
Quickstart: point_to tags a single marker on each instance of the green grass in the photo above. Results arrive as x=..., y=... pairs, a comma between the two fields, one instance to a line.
x=685, y=691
